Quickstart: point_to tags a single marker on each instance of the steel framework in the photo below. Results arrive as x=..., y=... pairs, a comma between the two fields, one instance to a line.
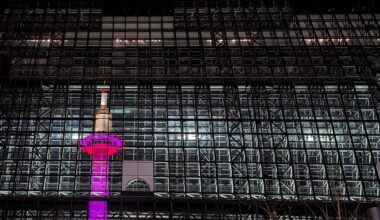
x=248, y=111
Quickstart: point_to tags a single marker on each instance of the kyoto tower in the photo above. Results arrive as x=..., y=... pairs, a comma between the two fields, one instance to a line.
x=100, y=146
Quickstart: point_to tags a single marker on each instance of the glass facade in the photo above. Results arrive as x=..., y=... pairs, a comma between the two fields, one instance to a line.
x=275, y=141
x=245, y=113
x=249, y=45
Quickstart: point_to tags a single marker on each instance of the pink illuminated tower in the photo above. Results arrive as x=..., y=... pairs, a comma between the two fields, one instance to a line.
x=100, y=146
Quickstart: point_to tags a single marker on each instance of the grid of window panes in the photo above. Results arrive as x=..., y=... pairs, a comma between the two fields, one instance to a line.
x=143, y=214
x=288, y=142
x=191, y=43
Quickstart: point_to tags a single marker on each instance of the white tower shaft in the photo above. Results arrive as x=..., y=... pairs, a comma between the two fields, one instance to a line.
x=103, y=119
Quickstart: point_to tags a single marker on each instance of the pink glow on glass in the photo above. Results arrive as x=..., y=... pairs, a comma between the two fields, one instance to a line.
x=97, y=210
x=101, y=143
x=99, y=178
x=100, y=146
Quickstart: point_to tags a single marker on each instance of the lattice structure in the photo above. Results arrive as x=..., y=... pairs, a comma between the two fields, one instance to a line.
x=247, y=111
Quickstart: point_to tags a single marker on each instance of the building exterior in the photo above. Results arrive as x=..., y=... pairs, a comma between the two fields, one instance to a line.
x=227, y=109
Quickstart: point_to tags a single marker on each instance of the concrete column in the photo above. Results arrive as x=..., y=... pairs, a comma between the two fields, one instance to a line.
x=373, y=213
